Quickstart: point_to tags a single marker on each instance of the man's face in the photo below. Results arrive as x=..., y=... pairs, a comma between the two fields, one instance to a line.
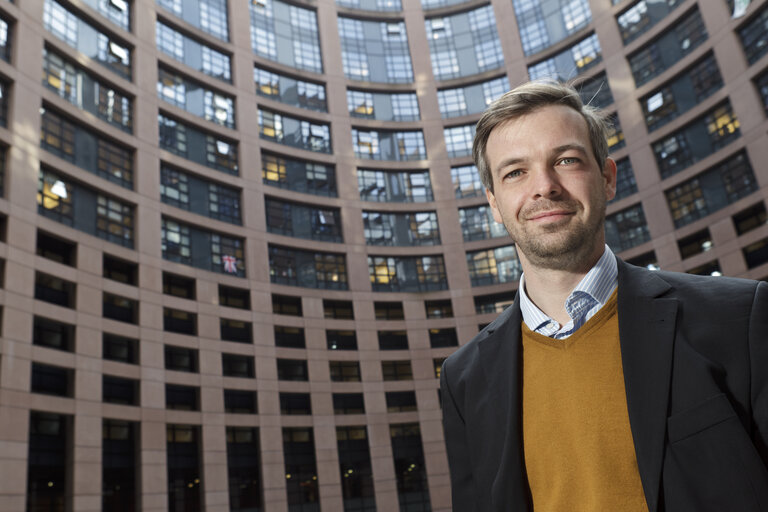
x=548, y=189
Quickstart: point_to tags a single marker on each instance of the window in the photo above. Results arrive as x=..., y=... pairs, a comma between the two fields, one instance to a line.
x=375, y=51
x=236, y=331
x=711, y=268
x=120, y=348
x=6, y=34
x=298, y=175
x=470, y=99
x=295, y=404
x=439, y=338
x=493, y=266
x=754, y=37
x=286, y=305
x=186, y=94
x=396, y=370
x=237, y=401
x=244, y=469
x=103, y=158
x=309, y=269
x=225, y=254
x=389, y=310
x=466, y=182
x=668, y=48
x=464, y=44
x=339, y=309
x=303, y=221
x=458, y=140
x=300, y=469
x=394, y=186
x=212, y=199
x=291, y=91
x=232, y=297
x=756, y=254
x=53, y=334
x=750, y=218
x=410, y=471
x=292, y=369
x=178, y=286
x=400, y=401
x=697, y=140
x=180, y=359
x=293, y=29
x=625, y=179
x=344, y=371
x=208, y=15
x=119, y=270
x=383, y=106
x=694, y=244
x=371, y=5
x=477, y=223
x=181, y=322
x=192, y=53
x=234, y=365
x=183, y=398
x=641, y=17
x=293, y=132
x=52, y=380
x=56, y=249
x=119, y=464
x=438, y=364
x=405, y=229
x=569, y=63
x=289, y=337
x=646, y=260
x=348, y=403
x=119, y=308
x=341, y=340
x=198, y=146
x=55, y=290
x=439, y=308
x=355, y=469
x=183, y=463
x=393, y=340
x=711, y=190
x=596, y=92
x=626, y=229
x=50, y=459
x=118, y=390
x=87, y=92
x=417, y=273
x=388, y=145
x=494, y=303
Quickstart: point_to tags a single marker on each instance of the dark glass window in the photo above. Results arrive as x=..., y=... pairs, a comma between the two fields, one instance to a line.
x=303, y=221
x=240, y=401
x=761, y=81
x=54, y=290
x=397, y=370
x=404, y=229
x=52, y=380
x=297, y=267
x=355, y=468
x=389, y=310
x=236, y=330
x=494, y=266
x=120, y=348
x=294, y=132
x=180, y=359
x=286, y=305
x=339, y=309
x=300, y=470
x=194, y=98
x=646, y=260
x=393, y=340
x=750, y=218
x=184, y=474
x=711, y=268
x=494, y=303
x=289, y=90
x=341, y=340
x=53, y=334
x=120, y=270
x=694, y=244
x=118, y=390
x=289, y=337
x=292, y=369
x=6, y=34
x=401, y=401
x=208, y=15
x=466, y=182
x=178, y=286
x=197, y=145
x=407, y=273
x=295, y=403
x=120, y=308
x=348, y=403
x=208, y=250
x=756, y=254
x=192, y=53
x=438, y=364
x=394, y=186
x=244, y=469
x=344, y=371
x=477, y=223
x=595, y=91
x=626, y=229
x=398, y=146
x=234, y=365
x=298, y=175
x=411, y=474
x=439, y=308
x=625, y=179
x=754, y=36
x=56, y=249
x=643, y=15
x=232, y=297
x=184, y=398
x=119, y=465
x=439, y=338
x=201, y=196
x=50, y=462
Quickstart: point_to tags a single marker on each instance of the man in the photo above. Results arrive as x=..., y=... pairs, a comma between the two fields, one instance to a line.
x=604, y=387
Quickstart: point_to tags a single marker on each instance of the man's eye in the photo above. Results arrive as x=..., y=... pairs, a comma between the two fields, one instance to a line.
x=514, y=174
x=569, y=160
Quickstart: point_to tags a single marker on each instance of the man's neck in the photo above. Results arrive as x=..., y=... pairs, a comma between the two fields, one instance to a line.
x=549, y=288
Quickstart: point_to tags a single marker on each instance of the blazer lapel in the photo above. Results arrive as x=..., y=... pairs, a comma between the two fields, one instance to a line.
x=500, y=355
x=646, y=331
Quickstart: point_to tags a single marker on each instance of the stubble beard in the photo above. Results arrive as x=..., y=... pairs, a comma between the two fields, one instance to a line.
x=565, y=245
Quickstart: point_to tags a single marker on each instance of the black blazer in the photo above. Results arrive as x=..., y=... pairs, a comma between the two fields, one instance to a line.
x=695, y=357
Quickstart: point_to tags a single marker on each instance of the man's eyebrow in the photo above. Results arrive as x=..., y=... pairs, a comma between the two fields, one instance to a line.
x=569, y=147
x=507, y=162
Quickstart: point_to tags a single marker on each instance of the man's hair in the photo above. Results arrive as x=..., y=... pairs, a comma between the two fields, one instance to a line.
x=527, y=98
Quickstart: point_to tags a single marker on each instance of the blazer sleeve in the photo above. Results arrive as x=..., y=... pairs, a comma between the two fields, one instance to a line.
x=455, y=429
x=758, y=342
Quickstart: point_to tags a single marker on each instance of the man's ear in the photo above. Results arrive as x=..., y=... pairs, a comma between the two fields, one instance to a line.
x=494, y=207
x=609, y=173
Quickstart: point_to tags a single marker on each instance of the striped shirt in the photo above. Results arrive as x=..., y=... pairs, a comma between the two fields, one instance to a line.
x=591, y=294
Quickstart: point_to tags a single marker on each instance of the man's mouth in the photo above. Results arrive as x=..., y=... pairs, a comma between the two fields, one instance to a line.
x=550, y=215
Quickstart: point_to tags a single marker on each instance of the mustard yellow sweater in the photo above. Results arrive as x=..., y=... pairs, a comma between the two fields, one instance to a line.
x=579, y=454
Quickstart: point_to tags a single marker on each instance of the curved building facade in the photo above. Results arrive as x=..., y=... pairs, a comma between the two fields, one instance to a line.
x=238, y=238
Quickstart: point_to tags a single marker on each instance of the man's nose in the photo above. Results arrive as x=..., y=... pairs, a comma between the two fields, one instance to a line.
x=546, y=183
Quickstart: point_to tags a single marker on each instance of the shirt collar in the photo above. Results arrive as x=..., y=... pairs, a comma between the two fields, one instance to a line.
x=596, y=286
